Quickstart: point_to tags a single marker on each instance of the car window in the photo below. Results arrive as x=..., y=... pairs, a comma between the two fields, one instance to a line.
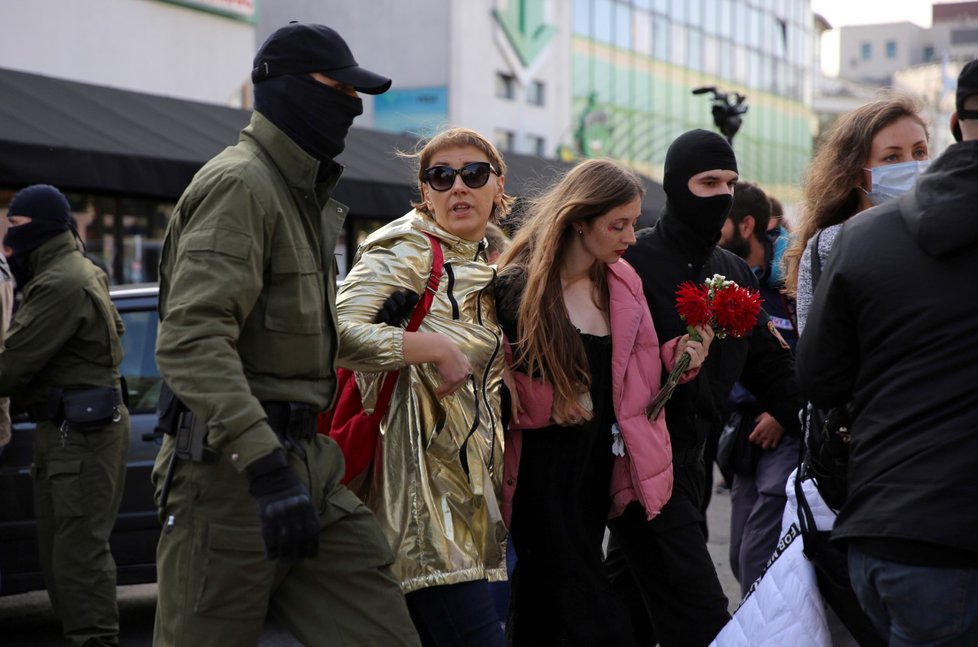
x=139, y=364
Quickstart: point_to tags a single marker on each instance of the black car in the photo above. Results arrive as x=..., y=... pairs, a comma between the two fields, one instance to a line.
x=137, y=527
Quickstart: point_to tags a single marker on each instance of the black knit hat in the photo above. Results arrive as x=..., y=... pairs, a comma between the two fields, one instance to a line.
x=303, y=48
x=50, y=215
x=41, y=202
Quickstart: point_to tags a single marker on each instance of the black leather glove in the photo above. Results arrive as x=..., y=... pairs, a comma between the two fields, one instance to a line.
x=397, y=307
x=289, y=522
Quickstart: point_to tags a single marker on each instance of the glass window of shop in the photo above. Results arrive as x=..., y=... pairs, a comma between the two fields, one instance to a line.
x=660, y=39
x=603, y=17
x=124, y=234
x=582, y=17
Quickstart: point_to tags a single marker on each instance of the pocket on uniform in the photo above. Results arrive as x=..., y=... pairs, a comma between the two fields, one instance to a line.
x=295, y=290
x=67, y=496
x=235, y=578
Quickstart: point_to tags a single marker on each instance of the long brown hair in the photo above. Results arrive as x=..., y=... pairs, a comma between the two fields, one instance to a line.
x=549, y=345
x=831, y=187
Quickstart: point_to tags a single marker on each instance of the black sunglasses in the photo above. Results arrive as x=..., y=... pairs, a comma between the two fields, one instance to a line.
x=474, y=175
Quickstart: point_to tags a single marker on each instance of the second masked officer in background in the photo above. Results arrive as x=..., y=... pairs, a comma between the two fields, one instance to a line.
x=256, y=520
x=62, y=361
x=677, y=579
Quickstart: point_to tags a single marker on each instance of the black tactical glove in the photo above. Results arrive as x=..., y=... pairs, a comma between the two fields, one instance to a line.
x=289, y=522
x=396, y=308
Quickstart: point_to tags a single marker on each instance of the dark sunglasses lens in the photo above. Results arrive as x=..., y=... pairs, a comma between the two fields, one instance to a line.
x=440, y=178
x=475, y=175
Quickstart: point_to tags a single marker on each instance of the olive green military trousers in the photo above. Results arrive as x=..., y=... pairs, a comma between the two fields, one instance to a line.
x=78, y=484
x=216, y=586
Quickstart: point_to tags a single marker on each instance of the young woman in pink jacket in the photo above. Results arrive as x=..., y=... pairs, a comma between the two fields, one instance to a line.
x=586, y=362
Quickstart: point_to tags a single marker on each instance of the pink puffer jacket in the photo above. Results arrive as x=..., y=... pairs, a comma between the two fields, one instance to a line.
x=644, y=473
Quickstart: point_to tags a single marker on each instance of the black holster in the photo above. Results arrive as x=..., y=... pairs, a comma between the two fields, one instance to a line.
x=83, y=409
x=293, y=422
x=176, y=419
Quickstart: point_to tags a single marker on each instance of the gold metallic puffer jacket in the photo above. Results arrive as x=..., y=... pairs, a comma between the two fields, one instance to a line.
x=435, y=486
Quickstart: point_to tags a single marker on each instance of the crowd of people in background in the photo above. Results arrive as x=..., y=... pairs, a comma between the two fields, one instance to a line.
x=517, y=444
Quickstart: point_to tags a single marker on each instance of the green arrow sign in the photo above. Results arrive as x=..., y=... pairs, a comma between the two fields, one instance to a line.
x=522, y=22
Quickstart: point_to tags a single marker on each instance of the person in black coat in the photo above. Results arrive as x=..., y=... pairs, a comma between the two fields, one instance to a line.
x=684, y=603
x=892, y=327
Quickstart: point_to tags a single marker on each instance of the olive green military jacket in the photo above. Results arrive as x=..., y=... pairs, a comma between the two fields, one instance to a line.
x=66, y=332
x=247, y=289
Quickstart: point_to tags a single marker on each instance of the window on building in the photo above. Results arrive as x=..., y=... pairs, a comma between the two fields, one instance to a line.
x=964, y=36
x=891, y=49
x=866, y=51
x=538, y=145
x=505, y=140
x=505, y=85
x=535, y=93
x=623, y=25
x=928, y=54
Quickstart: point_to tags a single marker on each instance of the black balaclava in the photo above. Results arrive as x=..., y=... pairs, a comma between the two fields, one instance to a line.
x=50, y=215
x=691, y=153
x=313, y=115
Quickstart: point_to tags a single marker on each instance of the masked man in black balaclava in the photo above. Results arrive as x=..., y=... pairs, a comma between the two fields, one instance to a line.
x=247, y=346
x=61, y=362
x=684, y=603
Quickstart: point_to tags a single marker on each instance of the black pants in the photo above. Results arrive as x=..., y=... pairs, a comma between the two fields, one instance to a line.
x=664, y=563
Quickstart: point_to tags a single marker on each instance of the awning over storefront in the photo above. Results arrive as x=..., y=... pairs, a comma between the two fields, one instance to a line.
x=93, y=139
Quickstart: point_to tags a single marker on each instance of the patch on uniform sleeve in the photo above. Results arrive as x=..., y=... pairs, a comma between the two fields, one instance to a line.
x=777, y=335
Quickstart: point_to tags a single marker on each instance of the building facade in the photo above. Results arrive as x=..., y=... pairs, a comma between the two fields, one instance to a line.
x=575, y=78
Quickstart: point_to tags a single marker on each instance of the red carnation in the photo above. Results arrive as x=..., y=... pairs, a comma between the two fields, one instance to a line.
x=693, y=304
x=724, y=305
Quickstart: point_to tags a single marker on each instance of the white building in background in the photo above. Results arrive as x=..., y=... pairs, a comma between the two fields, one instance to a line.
x=874, y=53
x=199, y=50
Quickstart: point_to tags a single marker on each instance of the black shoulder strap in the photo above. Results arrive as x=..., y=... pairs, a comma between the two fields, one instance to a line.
x=816, y=260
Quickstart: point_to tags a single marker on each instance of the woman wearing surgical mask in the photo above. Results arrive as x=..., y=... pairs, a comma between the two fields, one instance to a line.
x=873, y=154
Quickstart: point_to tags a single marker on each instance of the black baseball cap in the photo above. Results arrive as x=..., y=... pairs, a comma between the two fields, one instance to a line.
x=967, y=86
x=302, y=48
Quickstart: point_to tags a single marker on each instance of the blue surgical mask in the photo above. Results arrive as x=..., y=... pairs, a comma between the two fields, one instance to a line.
x=893, y=180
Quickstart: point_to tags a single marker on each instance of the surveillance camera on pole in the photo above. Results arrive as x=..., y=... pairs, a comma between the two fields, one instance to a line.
x=727, y=110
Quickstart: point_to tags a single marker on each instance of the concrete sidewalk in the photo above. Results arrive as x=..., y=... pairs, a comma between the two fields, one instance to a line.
x=718, y=521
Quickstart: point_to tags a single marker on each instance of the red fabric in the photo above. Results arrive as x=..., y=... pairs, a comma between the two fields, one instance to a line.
x=355, y=431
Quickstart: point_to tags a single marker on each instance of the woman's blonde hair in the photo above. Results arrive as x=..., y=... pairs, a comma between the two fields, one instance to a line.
x=831, y=186
x=455, y=138
x=549, y=345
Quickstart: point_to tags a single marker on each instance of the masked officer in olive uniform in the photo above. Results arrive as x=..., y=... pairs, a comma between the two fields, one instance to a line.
x=255, y=519
x=61, y=359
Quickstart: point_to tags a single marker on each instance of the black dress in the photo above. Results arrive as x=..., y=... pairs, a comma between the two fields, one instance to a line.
x=561, y=594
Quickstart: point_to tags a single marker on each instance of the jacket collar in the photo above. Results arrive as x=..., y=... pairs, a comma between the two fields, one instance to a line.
x=59, y=245
x=465, y=248
x=299, y=168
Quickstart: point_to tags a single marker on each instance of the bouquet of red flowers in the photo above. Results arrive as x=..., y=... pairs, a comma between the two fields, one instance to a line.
x=728, y=308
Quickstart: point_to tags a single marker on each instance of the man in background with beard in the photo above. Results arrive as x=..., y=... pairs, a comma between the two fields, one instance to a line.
x=255, y=518
x=683, y=600
x=767, y=455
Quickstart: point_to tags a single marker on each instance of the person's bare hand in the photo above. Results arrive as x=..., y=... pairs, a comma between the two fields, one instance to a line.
x=580, y=411
x=698, y=350
x=453, y=368
x=767, y=432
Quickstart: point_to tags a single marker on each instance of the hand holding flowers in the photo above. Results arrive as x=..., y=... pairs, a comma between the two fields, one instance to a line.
x=719, y=305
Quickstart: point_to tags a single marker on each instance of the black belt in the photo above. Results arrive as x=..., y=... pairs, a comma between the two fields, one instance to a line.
x=293, y=422
x=51, y=410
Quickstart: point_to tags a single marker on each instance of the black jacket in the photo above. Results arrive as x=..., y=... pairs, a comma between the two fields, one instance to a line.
x=669, y=254
x=894, y=326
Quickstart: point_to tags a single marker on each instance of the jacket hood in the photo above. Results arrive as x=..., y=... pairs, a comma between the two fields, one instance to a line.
x=940, y=212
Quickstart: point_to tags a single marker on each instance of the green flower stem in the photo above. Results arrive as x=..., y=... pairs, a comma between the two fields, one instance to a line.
x=675, y=375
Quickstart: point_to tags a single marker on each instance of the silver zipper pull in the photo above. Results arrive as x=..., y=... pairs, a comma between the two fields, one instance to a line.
x=64, y=433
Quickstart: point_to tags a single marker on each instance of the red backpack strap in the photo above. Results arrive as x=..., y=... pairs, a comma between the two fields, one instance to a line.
x=434, y=279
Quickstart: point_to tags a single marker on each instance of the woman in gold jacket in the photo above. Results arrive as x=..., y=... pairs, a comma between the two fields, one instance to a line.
x=435, y=486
